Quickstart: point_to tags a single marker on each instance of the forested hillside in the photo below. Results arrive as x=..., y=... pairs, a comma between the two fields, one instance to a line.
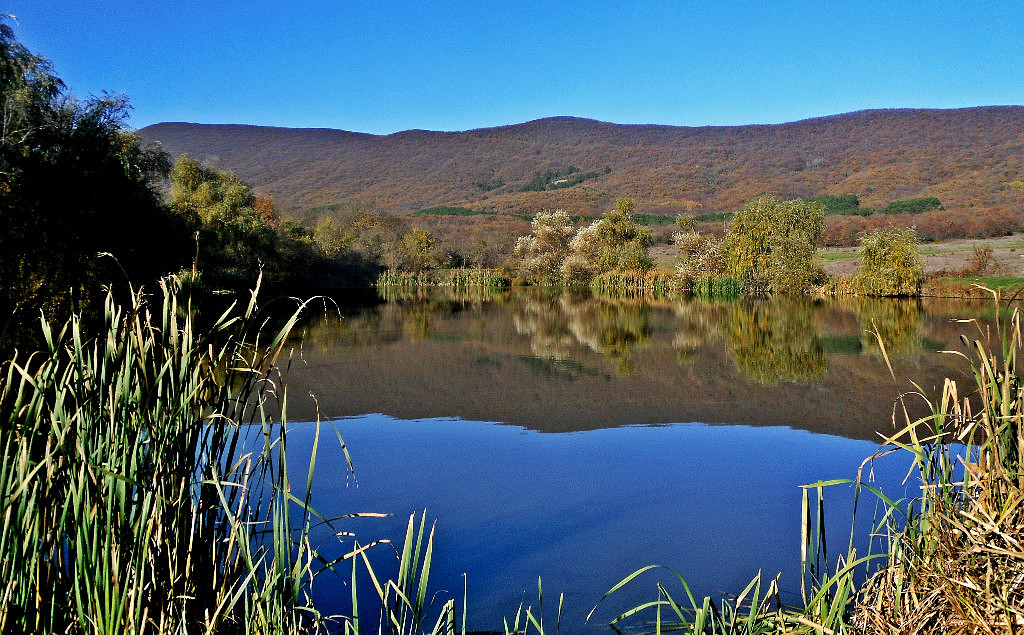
x=971, y=159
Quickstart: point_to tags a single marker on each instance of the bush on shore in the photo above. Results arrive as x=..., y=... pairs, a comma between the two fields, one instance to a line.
x=555, y=253
x=890, y=264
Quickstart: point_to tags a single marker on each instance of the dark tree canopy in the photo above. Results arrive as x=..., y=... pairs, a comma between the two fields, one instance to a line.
x=74, y=183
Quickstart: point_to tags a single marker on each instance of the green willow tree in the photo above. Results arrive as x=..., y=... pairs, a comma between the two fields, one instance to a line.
x=234, y=237
x=890, y=264
x=770, y=245
x=419, y=250
x=624, y=242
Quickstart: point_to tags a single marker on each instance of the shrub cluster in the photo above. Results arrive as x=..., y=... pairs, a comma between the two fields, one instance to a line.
x=701, y=268
x=557, y=253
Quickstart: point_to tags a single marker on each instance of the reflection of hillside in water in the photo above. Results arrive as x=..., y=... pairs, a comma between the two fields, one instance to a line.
x=560, y=360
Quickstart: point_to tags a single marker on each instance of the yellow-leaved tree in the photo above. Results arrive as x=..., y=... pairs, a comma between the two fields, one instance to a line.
x=770, y=245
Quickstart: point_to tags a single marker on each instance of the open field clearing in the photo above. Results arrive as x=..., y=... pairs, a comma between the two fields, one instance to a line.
x=948, y=255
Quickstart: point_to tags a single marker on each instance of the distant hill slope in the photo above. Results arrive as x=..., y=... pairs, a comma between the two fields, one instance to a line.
x=967, y=158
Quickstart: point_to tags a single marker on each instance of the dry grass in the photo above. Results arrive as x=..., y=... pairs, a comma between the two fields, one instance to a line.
x=957, y=564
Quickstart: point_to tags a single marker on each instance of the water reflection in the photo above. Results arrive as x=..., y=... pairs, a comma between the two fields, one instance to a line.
x=562, y=359
x=899, y=324
x=583, y=510
x=540, y=317
x=557, y=321
x=558, y=360
x=776, y=340
x=773, y=341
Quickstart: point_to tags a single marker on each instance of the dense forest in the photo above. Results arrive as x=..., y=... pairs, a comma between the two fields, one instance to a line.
x=972, y=160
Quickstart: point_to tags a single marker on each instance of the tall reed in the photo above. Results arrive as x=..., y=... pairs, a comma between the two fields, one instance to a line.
x=143, y=478
x=716, y=287
x=956, y=554
x=653, y=281
x=394, y=278
x=488, y=278
x=404, y=605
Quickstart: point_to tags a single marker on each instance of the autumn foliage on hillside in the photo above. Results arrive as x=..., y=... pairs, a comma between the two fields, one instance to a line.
x=971, y=159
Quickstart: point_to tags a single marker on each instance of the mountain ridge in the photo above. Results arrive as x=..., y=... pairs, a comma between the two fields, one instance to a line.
x=967, y=157
x=590, y=120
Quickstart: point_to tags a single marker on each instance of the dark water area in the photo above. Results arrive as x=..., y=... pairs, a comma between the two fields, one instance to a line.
x=577, y=439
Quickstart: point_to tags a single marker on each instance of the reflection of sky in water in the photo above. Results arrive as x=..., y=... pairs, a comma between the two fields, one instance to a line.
x=584, y=509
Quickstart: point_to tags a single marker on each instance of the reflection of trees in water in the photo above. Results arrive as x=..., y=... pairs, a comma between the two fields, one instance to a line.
x=369, y=326
x=900, y=323
x=416, y=322
x=770, y=340
x=774, y=340
x=538, y=316
x=613, y=328
x=557, y=320
x=697, y=323
x=412, y=310
x=408, y=312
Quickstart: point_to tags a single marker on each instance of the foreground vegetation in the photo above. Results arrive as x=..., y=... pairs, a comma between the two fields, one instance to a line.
x=144, y=482
x=145, y=485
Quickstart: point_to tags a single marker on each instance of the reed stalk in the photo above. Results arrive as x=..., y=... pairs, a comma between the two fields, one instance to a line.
x=144, y=482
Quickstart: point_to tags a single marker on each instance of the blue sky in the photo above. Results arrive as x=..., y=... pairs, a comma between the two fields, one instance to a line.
x=382, y=67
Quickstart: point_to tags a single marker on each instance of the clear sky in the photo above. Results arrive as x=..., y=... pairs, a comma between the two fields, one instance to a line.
x=381, y=67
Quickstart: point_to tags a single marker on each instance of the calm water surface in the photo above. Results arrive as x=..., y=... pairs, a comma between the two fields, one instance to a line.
x=559, y=435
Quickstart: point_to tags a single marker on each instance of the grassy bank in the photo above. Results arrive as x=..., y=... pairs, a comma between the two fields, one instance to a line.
x=971, y=286
x=488, y=278
x=653, y=281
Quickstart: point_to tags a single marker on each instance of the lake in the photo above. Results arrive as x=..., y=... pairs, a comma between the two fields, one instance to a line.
x=558, y=435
